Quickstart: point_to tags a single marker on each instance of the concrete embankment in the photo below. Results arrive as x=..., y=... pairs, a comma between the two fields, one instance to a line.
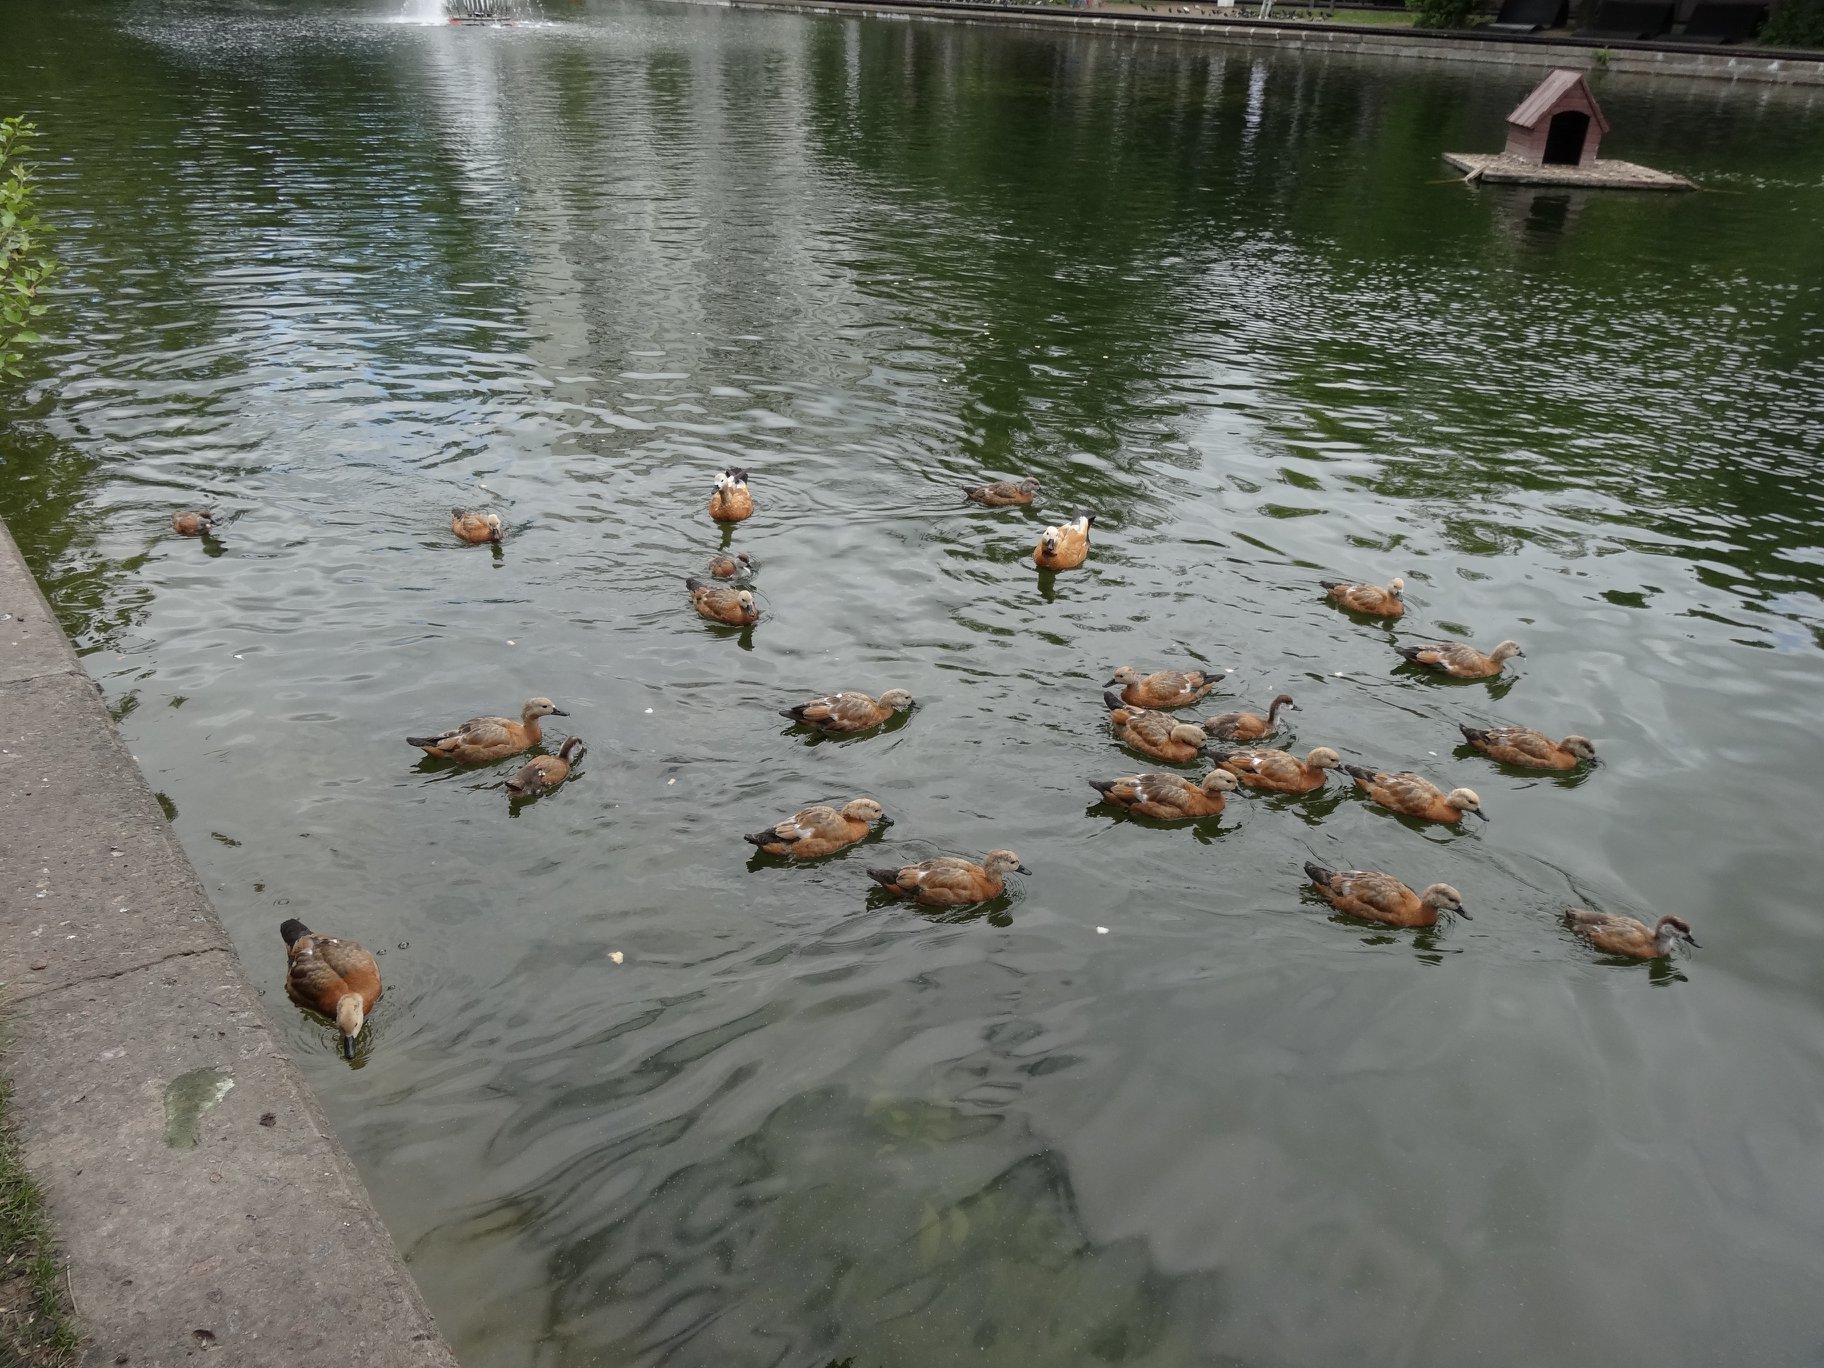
x=199, y=1196
x=1511, y=50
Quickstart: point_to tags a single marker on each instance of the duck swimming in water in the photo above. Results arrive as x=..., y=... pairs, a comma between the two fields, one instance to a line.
x=476, y=528
x=1626, y=936
x=1157, y=734
x=1276, y=771
x=481, y=740
x=725, y=566
x=733, y=607
x=194, y=522
x=1412, y=795
x=731, y=502
x=1003, y=493
x=542, y=773
x=1459, y=661
x=1534, y=749
x=1168, y=797
x=1380, y=897
x=1163, y=688
x=1370, y=599
x=1065, y=547
x=1247, y=726
x=950, y=881
x=849, y=712
x=814, y=831
x=331, y=977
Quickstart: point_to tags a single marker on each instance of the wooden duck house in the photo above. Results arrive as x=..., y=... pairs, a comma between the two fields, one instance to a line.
x=1552, y=137
x=1559, y=124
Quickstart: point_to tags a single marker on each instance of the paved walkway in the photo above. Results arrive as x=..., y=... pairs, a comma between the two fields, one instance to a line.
x=198, y=1194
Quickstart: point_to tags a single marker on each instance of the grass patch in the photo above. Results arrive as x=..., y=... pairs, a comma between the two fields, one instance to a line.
x=36, y=1329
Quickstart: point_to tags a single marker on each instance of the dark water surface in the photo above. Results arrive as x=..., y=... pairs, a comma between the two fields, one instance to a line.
x=339, y=273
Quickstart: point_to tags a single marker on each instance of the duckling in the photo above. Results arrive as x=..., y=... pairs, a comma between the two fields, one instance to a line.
x=1066, y=547
x=1383, y=898
x=1524, y=746
x=1163, y=688
x=1156, y=734
x=1414, y=796
x=1168, y=797
x=719, y=604
x=1369, y=598
x=1003, y=493
x=950, y=881
x=483, y=739
x=1460, y=661
x=334, y=978
x=815, y=831
x=1247, y=726
x=1625, y=936
x=542, y=773
x=476, y=527
x=1276, y=771
x=849, y=712
x=731, y=501
x=195, y=522
x=724, y=566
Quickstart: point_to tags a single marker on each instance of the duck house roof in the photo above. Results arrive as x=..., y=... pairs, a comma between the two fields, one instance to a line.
x=1563, y=89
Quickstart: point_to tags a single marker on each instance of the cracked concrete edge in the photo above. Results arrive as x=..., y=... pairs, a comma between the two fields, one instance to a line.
x=121, y=989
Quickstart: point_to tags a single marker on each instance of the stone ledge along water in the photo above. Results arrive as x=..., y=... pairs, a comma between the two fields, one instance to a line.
x=197, y=1192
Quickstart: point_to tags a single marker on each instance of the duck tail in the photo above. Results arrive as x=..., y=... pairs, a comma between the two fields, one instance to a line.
x=1359, y=774
x=1410, y=652
x=291, y=929
x=692, y=582
x=1103, y=786
x=422, y=741
x=1220, y=757
x=762, y=838
x=796, y=714
x=888, y=878
x=1114, y=700
x=1333, y=584
x=1472, y=734
x=1318, y=874
x=1087, y=518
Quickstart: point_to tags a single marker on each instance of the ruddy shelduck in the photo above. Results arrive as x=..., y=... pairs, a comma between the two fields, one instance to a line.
x=813, y=831
x=950, y=881
x=1381, y=897
x=724, y=566
x=332, y=977
x=1459, y=661
x=1168, y=797
x=1157, y=734
x=1625, y=936
x=1276, y=771
x=1065, y=547
x=718, y=603
x=1163, y=688
x=731, y=501
x=1534, y=749
x=1412, y=795
x=476, y=527
x=542, y=773
x=483, y=739
x=849, y=712
x=1247, y=726
x=1370, y=599
x=194, y=522
x=1003, y=493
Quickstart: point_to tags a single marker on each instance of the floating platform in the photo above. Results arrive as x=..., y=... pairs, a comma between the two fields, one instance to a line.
x=1499, y=167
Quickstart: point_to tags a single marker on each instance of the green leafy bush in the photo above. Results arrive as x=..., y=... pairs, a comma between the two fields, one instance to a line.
x=25, y=265
x=1796, y=23
x=1444, y=14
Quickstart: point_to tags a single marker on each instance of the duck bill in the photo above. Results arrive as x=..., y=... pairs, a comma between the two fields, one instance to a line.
x=1463, y=912
x=559, y=712
x=348, y=1047
x=1477, y=812
x=1024, y=870
x=1692, y=942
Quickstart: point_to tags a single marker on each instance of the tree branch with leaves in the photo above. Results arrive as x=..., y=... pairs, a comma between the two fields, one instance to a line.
x=26, y=265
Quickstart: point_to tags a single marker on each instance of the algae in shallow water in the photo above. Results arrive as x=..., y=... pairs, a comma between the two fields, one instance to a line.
x=187, y=1098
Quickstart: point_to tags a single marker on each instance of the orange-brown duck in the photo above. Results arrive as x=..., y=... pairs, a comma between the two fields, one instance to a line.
x=476, y=527
x=1247, y=726
x=719, y=603
x=950, y=881
x=1163, y=688
x=1412, y=795
x=542, y=773
x=1383, y=898
x=1157, y=734
x=1003, y=493
x=731, y=501
x=1625, y=936
x=1168, y=797
x=724, y=566
x=194, y=522
x=1524, y=746
x=1459, y=661
x=1276, y=771
x=483, y=739
x=1065, y=547
x=849, y=712
x=1369, y=598
x=813, y=831
x=332, y=977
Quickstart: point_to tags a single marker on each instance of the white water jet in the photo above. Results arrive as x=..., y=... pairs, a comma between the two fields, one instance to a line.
x=422, y=12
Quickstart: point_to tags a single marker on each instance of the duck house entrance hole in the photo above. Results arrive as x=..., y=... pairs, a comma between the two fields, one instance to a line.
x=1564, y=142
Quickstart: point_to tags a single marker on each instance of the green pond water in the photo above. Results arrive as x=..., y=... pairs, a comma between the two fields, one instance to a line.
x=337, y=272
